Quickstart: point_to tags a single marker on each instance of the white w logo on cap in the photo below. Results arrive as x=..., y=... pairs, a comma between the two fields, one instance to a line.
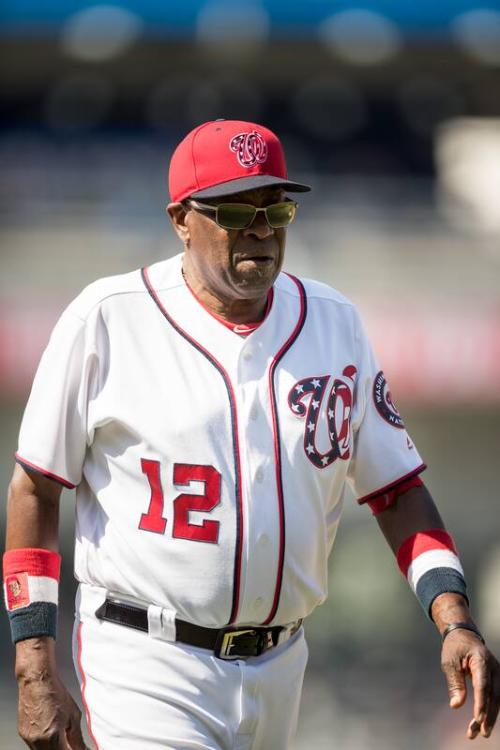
x=250, y=148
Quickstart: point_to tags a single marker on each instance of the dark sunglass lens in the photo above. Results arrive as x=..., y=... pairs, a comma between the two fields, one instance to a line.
x=235, y=215
x=281, y=214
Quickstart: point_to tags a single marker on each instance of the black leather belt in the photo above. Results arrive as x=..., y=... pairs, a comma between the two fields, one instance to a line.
x=226, y=643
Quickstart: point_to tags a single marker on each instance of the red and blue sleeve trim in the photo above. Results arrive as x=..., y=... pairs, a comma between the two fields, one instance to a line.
x=382, y=502
x=50, y=475
x=392, y=485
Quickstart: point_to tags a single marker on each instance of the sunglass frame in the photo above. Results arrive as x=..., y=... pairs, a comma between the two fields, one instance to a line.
x=207, y=208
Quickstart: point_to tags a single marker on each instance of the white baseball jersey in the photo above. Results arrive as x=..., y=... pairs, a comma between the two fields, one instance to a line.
x=210, y=468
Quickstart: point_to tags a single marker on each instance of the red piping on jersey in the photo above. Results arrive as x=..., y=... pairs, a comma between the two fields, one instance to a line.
x=236, y=448
x=48, y=474
x=388, y=487
x=84, y=682
x=277, y=442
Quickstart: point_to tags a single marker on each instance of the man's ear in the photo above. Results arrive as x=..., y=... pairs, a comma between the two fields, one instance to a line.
x=177, y=213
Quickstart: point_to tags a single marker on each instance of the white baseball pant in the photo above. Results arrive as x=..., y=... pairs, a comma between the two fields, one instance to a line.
x=142, y=693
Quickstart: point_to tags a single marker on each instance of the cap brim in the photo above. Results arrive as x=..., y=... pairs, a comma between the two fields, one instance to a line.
x=250, y=183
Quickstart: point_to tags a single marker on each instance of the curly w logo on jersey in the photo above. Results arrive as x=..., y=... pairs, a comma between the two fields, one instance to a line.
x=250, y=148
x=338, y=413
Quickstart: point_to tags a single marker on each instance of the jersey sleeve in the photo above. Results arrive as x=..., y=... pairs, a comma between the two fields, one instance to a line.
x=383, y=452
x=53, y=435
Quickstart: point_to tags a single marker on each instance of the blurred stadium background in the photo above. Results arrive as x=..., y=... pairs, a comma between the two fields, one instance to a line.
x=392, y=111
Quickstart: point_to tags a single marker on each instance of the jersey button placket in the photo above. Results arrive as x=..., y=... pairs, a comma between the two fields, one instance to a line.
x=258, y=589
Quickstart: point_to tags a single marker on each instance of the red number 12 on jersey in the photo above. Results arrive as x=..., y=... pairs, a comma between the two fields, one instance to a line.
x=183, y=475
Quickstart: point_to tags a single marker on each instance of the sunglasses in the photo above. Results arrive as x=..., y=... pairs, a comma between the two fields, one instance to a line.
x=242, y=215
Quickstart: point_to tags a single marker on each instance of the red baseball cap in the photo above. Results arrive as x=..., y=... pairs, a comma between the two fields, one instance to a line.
x=222, y=157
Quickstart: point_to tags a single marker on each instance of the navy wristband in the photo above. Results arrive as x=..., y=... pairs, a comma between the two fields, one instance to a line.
x=439, y=581
x=37, y=619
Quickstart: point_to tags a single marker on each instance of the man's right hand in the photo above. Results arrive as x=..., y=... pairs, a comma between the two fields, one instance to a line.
x=48, y=717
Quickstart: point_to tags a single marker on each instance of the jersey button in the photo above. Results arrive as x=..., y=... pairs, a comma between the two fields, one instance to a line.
x=254, y=413
x=247, y=354
x=258, y=603
x=259, y=475
x=262, y=540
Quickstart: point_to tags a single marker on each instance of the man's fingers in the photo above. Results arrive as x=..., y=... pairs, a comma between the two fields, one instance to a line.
x=455, y=679
x=493, y=707
x=481, y=683
x=74, y=741
x=473, y=730
x=52, y=740
x=460, y=659
x=74, y=737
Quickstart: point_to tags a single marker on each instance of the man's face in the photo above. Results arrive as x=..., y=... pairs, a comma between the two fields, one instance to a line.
x=236, y=263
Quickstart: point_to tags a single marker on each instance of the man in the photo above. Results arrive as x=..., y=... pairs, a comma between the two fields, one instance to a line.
x=210, y=410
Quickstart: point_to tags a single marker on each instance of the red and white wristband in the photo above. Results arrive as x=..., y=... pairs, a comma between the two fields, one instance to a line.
x=429, y=561
x=31, y=588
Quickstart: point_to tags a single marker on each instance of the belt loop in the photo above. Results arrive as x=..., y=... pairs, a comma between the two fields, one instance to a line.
x=288, y=631
x=161, y=623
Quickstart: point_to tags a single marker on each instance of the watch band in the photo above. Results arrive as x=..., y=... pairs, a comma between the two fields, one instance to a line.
x=461, y=626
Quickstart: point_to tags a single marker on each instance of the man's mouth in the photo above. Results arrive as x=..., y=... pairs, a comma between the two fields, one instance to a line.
x=259, y=259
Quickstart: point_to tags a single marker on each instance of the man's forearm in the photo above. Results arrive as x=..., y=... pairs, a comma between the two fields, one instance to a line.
x=413, y=511
x=35, y=659
x=32, y=512
x=32, y=522
x=450, y=608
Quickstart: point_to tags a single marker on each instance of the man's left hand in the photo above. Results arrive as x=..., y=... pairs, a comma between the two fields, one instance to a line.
x=463, y=654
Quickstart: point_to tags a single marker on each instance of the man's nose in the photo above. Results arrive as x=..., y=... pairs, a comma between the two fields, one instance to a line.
x=259, y=227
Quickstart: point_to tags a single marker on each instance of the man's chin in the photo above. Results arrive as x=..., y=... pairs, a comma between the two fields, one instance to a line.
x=252, y=278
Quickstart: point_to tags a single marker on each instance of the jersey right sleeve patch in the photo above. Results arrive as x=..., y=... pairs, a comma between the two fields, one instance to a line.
x=384, y=402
